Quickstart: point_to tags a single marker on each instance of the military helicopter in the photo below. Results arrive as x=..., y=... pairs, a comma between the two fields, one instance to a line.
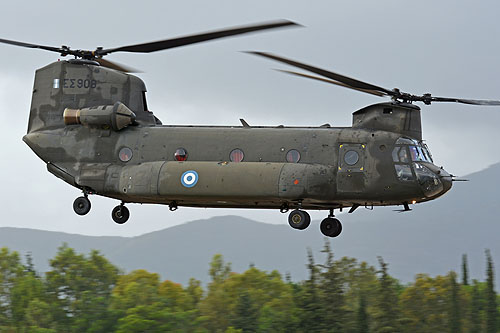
x=89, y=122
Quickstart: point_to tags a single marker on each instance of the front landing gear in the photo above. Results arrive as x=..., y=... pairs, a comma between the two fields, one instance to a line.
x=299, y=219
x=120, y=214
x=82, y=205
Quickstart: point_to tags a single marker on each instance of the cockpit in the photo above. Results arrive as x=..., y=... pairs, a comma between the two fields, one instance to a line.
x=418, y=151
x=413, y=162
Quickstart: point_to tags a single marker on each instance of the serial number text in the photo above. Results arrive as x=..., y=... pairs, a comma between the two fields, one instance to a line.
x=79, y=83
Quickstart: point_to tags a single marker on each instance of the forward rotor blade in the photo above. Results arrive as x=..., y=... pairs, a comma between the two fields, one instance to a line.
x=31, y=46
x=465, y=101
x=117, y=66
x=373, y=92
x=198, y=38
x=331, y=75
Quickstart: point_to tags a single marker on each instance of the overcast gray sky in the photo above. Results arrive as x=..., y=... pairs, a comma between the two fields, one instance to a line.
x=449, y=48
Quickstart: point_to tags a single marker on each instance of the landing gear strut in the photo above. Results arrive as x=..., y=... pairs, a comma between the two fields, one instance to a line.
x=82, y=205
x=331, y=227
x=299, y=219
x=120, y=214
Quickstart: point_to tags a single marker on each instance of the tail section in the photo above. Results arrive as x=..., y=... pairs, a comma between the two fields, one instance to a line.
x=78, y=84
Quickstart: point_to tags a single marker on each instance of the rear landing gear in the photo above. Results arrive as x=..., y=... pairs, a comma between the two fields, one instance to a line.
x=331, y=227
x=299, y=219
x=82, y=205
x=120, y=214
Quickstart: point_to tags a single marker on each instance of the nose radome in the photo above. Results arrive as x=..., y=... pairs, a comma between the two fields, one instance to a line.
x=445, y=178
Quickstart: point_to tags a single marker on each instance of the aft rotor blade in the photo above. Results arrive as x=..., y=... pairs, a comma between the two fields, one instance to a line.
x=331, y=75
x=117, y=66
x=31, y=46
x=198, y=38
x=373, y=92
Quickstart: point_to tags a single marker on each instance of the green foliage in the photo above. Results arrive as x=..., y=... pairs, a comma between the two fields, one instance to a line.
x=387, y=315
x=27, y=290
x=245, y=313
x=309, y=300
x=141, y=303
x=86, y=293
x=454, y=318
x=362, y=316
x=475, y=308
x=219, y=271
x=425, y=304
x=194, y=291
x=360, y=281
x=491, y=296
x=465, y=271
x=248, y=301
x=332, y=293
x=38, y=317
x=11, y=270
x=79, y=290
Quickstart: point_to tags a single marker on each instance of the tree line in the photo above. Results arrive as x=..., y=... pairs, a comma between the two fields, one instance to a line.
x=87, y=293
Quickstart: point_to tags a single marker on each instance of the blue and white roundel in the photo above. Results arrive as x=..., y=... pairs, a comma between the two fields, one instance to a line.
x=189, y=178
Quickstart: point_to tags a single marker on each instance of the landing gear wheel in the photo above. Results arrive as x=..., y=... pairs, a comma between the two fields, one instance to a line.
x=81, y=205
x=299, y=219
x=120, y=214
x=331, y=227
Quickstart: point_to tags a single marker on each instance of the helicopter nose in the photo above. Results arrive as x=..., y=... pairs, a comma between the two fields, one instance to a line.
x=446, y=179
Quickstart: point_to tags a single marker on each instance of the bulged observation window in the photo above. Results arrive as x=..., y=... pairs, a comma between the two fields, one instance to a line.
x=125, y=154
x=180, y=154
x=236, y=155
x=293, y=156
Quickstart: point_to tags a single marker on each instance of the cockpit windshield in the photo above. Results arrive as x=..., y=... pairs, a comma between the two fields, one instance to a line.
x=416, y=154
x=418, y=151
x=427, y=152
x=407, y=154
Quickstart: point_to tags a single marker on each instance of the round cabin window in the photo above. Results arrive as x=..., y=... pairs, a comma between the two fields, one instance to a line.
x=236, y=155
x=293, y=156
x=125, y=154
x=351, y=157
x=180, y=154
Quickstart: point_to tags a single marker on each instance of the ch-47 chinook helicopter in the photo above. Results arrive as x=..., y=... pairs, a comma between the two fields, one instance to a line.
x=89, y=122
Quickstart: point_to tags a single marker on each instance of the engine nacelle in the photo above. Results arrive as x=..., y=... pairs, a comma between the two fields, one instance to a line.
x=117, y=116
x=393, y=117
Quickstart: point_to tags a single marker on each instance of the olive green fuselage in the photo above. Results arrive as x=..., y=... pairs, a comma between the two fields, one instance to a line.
x=314, y=168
